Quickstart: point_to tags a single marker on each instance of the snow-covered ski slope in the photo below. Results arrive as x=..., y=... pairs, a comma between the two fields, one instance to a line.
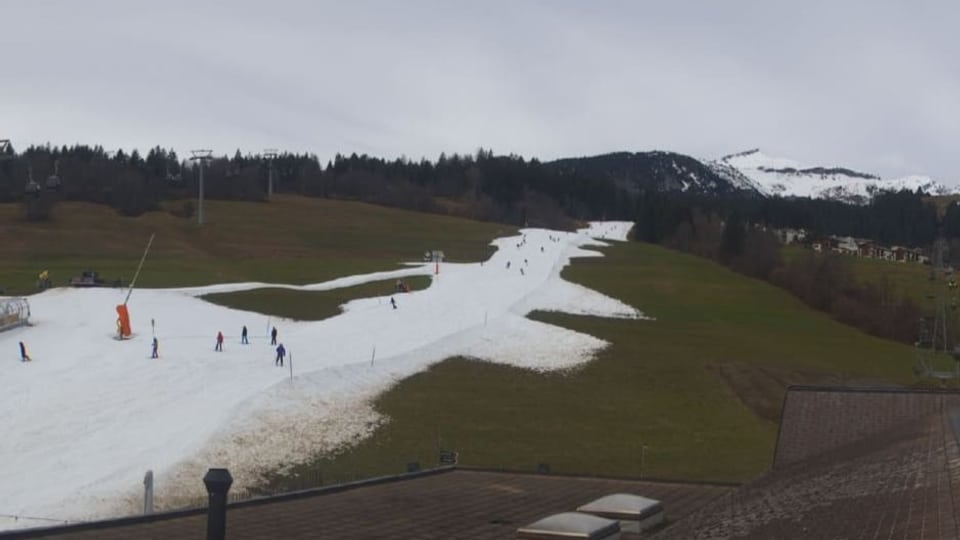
x=84, y=421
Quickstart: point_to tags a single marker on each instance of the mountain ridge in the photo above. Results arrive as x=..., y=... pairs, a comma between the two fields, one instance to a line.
x=774, y=176
x=748, y=173
x=655, y=170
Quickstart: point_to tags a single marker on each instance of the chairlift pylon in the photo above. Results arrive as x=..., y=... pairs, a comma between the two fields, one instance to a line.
x=6, y=149
x=932, y=335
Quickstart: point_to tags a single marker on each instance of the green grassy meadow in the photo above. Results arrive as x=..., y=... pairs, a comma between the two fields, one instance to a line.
x=910, y=280
x=309, y=305
x=293, y=240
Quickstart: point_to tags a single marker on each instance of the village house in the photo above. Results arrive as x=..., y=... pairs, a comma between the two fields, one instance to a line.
x=849, y=245
x=790, y=236
x=824, y=244
x=846, y=245
x=859, y=247
x=902, y=254
x=882, y=252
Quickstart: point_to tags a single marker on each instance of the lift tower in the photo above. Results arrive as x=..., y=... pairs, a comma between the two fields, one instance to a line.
x=201, y=157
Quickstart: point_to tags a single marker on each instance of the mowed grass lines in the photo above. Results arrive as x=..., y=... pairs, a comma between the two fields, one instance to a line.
x=309, y=305
x=657, y=386
x=292, y=240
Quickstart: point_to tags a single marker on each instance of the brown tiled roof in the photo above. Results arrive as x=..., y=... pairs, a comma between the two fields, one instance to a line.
x=900, y=479
x=817, y=419
x=459, y=503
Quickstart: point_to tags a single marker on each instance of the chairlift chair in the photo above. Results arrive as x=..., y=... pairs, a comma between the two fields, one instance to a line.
x=54, y=183
x=32, y=188
x=173, y=178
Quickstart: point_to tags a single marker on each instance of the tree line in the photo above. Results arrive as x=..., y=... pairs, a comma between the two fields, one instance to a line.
x=483, y=186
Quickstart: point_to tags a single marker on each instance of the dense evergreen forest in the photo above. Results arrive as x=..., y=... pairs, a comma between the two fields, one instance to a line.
x=482, y=186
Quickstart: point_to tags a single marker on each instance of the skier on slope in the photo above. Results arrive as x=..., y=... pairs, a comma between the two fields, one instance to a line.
x=273, y=336
x=24, y=357
x=393, y=303
x=155, y=350
x=243, y=336
x=281, y=352
x=219, y=346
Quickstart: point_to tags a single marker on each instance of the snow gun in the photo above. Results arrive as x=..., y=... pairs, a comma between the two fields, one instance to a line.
x=123, y=315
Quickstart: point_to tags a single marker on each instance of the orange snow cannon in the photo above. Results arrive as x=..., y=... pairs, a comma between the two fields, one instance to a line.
x=123, y=316
x=123, y=322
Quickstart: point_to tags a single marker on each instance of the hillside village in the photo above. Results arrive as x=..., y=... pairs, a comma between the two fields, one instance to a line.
x=848, y=245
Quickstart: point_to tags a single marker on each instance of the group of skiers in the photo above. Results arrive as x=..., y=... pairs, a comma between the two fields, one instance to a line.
x=155, y=346
x=281, y=350
x=244, y=340
x=218, y=346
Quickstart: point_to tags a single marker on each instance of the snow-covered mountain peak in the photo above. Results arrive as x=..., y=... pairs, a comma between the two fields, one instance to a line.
x=774, y=176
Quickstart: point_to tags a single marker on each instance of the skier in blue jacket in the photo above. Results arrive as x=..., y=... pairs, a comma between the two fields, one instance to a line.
x=281, y=352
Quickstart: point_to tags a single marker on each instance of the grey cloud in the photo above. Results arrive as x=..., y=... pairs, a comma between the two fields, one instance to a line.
x=870, y=85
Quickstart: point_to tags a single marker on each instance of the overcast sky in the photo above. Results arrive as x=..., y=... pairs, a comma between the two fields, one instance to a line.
x=871, y=85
